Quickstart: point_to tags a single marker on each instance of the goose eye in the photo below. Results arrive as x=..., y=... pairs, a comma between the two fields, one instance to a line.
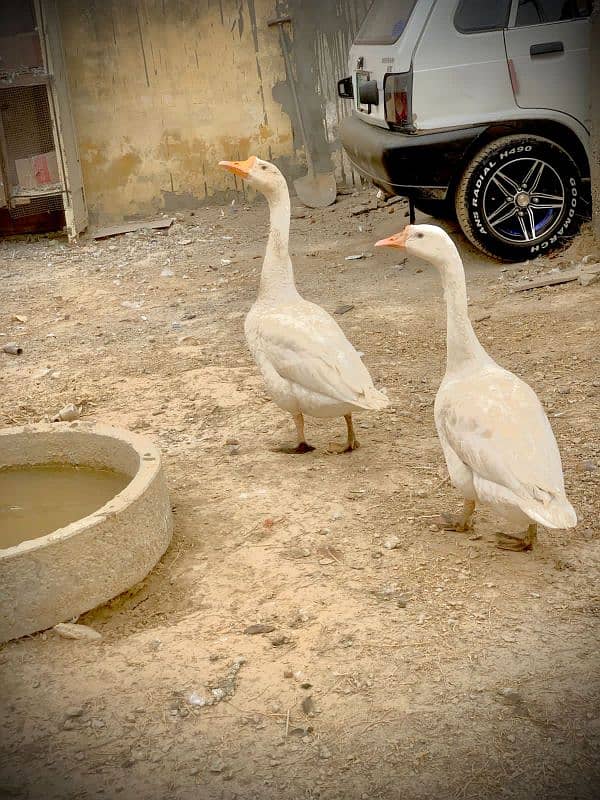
x=420, y=235
x=263, y=166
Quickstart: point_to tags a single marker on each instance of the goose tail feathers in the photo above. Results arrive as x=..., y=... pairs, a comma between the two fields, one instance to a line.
x=558, y=513
x=373, y=400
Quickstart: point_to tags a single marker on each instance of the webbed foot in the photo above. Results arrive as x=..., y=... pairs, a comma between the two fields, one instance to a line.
x=348, y=447
x=519, y=544
x=453, y=522
x=458, y=522
x=302, y=447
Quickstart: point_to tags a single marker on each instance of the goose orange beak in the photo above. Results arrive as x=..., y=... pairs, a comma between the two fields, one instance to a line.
x=241, y=168
x=397, y=240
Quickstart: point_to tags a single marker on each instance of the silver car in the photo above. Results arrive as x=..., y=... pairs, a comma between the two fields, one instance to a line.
x=480, y=108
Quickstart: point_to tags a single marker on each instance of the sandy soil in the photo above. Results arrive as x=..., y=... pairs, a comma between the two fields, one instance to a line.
x=403, y=662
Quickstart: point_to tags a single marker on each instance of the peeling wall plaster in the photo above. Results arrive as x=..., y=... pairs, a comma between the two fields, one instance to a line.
x=163, y=89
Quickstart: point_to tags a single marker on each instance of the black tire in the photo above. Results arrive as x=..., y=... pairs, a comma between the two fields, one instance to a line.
x=504, y=189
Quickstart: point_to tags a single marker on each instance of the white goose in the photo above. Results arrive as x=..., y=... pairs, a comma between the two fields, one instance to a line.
x=307, y=363
x=496, y=438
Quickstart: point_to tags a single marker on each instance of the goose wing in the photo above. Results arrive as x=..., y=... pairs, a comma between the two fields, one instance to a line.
x=306, y=346
x=496, y=425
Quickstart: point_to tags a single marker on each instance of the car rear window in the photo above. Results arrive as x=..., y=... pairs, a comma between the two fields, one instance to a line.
x=385, y=22
x=536, y=12
x=475, y=16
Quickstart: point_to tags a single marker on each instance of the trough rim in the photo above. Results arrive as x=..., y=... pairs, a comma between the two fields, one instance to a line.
x=150, y=464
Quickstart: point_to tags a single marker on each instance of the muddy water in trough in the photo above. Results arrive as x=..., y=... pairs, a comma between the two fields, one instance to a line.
x=36, y=500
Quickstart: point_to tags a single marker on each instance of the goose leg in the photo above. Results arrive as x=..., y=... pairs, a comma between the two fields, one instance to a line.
x=302, y=446
x=519, y=543
x=458, y=522
x=351, y=444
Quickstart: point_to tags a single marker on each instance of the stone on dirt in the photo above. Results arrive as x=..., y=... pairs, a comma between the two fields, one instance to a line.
x=69, y=630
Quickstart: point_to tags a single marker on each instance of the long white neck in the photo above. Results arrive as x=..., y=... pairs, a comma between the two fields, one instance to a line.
x=462, y=345
x=277, y=277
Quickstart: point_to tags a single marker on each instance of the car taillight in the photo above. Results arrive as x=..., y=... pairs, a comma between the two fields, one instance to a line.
x=397, y=91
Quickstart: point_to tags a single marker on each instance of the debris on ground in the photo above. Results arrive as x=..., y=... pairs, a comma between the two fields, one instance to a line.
x=131, y=227
x=67, y=413
x=253, y=630
x=219, y=691
x=70, y=630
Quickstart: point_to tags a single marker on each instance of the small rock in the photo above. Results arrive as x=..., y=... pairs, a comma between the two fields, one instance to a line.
x=344, y=308
x=167, y=273
x=19, y=318
x=308, y=705
x=287, y=673
x=252, y=630
x=195, y=699
x=589, y=465
x=216, y=766
x=12, y=349
x=511, y=695
x=324, y=752
x=68, y=630
x=590, y=274
x=234, y=450
x=355, y=258
x=73, y=711
x=232, y=441
x=385, y=593
x=279, y=639
x=392, y=543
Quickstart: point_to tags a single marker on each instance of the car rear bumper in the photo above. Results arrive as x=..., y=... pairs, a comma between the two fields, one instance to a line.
x=413, y=164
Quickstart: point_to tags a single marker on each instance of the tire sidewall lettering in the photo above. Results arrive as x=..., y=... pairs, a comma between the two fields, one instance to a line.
x=479, y=181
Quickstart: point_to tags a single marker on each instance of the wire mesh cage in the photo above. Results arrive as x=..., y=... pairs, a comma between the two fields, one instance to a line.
x=28, y=151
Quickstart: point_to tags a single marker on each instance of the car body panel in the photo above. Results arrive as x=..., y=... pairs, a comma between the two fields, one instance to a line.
x=556, y=80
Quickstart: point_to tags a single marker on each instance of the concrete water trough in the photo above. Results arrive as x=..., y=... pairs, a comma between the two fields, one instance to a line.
x=57, y=576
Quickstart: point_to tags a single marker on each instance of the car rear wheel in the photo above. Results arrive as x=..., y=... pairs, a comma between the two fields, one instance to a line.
x=519, y=197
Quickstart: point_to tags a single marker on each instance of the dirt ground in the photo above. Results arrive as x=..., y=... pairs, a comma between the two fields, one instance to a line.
x=403, y=662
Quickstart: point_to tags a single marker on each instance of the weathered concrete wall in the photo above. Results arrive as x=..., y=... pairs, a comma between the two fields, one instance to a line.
x=164, y=89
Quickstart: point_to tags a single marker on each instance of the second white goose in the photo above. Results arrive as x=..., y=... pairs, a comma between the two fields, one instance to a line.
x=497, y=441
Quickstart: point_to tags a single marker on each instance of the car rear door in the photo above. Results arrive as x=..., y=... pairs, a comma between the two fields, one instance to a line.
x=384, y=44
x=547, y=46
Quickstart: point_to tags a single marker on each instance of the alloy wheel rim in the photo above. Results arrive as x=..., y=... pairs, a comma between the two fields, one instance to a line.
x=523, y=200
